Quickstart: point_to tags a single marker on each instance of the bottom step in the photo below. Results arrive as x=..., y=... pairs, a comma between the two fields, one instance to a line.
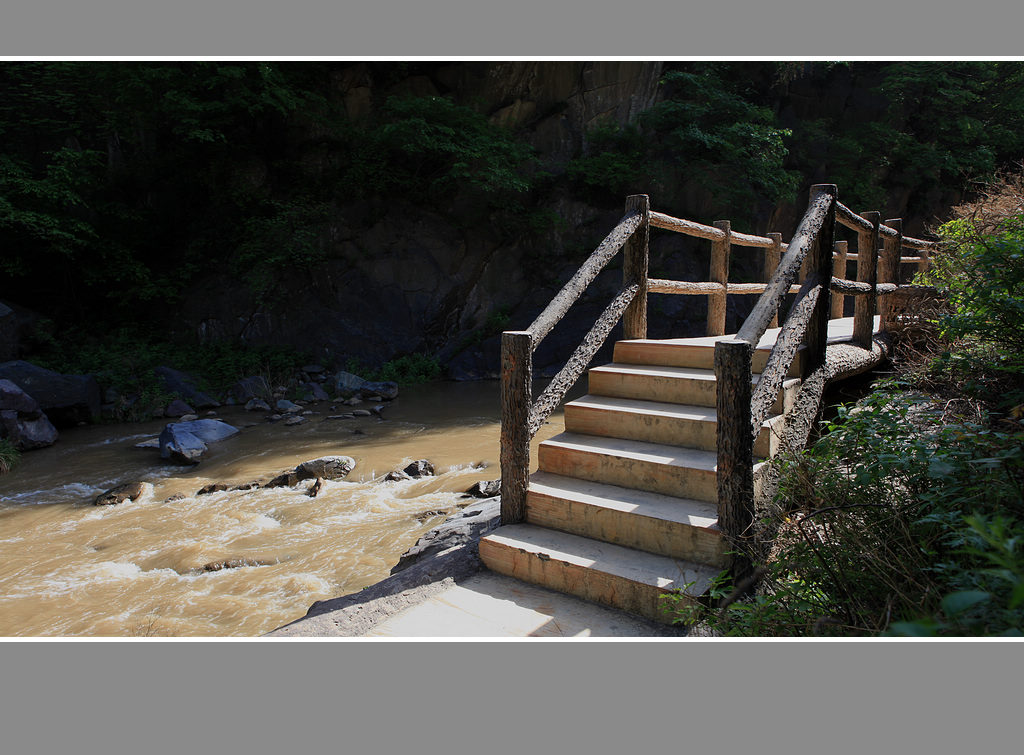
x=611, y=575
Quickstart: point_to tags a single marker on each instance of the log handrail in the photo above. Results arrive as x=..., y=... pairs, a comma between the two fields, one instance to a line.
x=521, y=416
x=742, y=406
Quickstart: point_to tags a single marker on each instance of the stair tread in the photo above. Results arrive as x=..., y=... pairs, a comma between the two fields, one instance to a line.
x=645, y=568
x=664, y=409
x=628, y=500
x=656, y=370
x=658, y=453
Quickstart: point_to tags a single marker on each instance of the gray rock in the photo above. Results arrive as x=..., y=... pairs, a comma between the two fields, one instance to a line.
x=294, y=420
x=469, y=525
x=22, y=421
x=420, y=468
x=186, y=442
x=284, y=405
x=65, y=399
x=386, y=390
x=362, y=413
x=328, y=467
x=176, y=381
x=257, y=405
x=485, y=489
x=346, y=384
x=129, y=491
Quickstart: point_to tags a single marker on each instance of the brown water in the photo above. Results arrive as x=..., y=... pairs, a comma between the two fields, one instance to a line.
x=69, y=568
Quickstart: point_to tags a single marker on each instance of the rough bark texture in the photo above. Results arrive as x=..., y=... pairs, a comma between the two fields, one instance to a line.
x=572, y=290
x=785, y=348
x=634, y=268
x=768, y=306
x=735, y=443
x=821, y=265
x=516, y=396
x=890, y=268
x=662, y=286
x=771, y=263
x=669, y=223
x=578, y=362
x=719, y=274
x=867, y=272
x=839, y=271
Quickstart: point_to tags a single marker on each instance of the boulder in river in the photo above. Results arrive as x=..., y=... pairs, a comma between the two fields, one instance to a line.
x=22, y=421
x=65, y=399
x=186, y=442
x=420, y=468
x=485, y=489
x=328, y=467
x=286, y=406
x=257, y=405
x=129, y=491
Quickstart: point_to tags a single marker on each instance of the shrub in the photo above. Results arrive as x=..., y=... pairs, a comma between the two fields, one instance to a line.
x=9, y=455
x=895, y=521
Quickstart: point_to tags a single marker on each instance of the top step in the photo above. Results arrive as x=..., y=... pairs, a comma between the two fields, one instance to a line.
x=698, y=353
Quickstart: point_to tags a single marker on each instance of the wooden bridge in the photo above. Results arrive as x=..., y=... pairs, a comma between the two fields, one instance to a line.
x=652, y=486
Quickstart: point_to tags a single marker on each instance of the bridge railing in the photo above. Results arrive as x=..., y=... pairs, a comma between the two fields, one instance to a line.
x=811, y=265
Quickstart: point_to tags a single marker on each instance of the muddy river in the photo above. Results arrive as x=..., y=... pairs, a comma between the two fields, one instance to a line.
x=72, y=569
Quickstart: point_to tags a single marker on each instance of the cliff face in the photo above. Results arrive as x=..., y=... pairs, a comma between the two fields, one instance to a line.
x=400, y=279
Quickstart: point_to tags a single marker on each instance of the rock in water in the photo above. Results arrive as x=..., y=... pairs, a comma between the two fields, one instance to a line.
x=127, y=492
x=420, y=468
x=186, y=442
x=485, y=489
x=328, y=467
x=257, y=405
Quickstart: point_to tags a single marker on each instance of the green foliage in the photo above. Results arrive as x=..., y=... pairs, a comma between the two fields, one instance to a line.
x=9, y=456
x=710, y=127
x=983, y=276
x=614, y=162
x=436, y=145
x=408, y=369
x=707, y=129
x=894, y=521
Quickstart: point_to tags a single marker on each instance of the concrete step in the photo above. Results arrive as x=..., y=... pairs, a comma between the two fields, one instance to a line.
x=623, y=578
x=681, y=528
x=659, y=422
x=694, y=352
x=673, y=385
x=654, y=467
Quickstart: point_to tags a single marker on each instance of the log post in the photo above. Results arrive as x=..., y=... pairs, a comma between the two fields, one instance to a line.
x=890, y=272
x=820, y=256
x=634, y=268
x=735, y=473
x=867, y=272
x=771, y=263
x=516, y=400
x=839, y=271
x=719, y=274
x=923, y=264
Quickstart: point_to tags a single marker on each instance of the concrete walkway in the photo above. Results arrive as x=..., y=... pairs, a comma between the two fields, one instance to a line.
x=490, y=605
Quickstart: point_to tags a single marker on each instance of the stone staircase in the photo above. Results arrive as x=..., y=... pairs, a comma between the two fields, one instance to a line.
x=623, y=506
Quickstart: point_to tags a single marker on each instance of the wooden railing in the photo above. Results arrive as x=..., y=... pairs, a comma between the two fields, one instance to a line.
x=812, y=266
